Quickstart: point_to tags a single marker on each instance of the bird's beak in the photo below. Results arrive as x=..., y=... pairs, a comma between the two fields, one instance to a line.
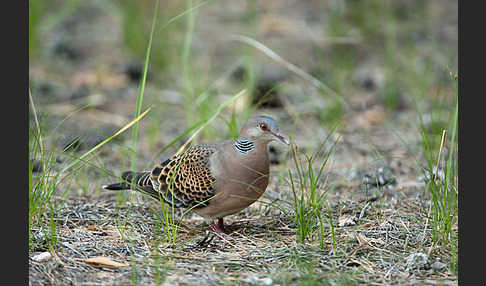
x=282, y=138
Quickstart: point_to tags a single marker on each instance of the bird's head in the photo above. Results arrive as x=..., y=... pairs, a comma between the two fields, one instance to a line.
x=263, y=128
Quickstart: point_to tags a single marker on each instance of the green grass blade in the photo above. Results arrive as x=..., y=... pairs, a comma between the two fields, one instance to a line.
x=105, y=141
x=175, y=18
x=142, y=85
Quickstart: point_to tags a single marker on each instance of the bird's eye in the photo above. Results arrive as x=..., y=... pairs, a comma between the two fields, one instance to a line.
x=263, y=126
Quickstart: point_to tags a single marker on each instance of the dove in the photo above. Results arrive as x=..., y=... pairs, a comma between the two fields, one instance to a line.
x=214, y=179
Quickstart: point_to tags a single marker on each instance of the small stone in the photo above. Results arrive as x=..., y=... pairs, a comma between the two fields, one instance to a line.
x=369, y=77
x=42, y=256
x=417, y=260
x=439, y=174
x=438, y=266
x=134, y=71
x=168, y=282
x=40, y=237
x=267, y=281
x=251, y=280
x=382, y=177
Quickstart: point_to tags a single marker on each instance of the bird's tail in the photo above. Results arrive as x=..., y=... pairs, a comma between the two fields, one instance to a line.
x=137, y=178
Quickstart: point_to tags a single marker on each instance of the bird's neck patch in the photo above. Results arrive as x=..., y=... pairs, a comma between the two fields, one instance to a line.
x=244, y=146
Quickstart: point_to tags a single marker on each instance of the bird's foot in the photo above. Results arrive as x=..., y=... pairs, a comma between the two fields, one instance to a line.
x=220, y=230
x=218, y=233
x=206, y=240
x=218, y=227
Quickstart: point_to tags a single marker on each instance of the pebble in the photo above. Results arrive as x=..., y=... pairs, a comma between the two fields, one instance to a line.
x=42, y=256
x=251, y=280
x=383, y=176
x=438, y=265
x=417, y=260
x=267, y=281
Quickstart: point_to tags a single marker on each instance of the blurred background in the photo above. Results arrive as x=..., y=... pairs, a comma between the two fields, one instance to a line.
x=382, y=70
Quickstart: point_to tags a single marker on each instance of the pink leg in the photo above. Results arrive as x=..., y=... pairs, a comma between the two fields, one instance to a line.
x=219, y=226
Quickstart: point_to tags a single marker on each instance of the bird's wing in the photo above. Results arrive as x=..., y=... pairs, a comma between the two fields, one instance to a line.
x=185, y=179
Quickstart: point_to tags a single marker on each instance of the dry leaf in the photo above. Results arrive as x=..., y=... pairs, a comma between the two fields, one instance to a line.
x=370, y=117
x=275, y=24
x=104, y=261
x=362, y=240
x=92, y=228
x=346, y=219
x=375, y=240
x=112, y=232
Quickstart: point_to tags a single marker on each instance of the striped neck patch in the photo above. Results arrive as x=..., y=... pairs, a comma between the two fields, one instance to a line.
x=244, y=146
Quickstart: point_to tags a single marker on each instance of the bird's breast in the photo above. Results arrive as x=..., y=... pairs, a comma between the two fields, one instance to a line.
x=240, y=181
x=245, y=174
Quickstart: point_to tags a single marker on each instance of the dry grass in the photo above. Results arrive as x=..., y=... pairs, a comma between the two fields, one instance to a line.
x=262, y=246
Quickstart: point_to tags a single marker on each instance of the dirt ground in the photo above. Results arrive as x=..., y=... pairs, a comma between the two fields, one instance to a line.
x=382, y=230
